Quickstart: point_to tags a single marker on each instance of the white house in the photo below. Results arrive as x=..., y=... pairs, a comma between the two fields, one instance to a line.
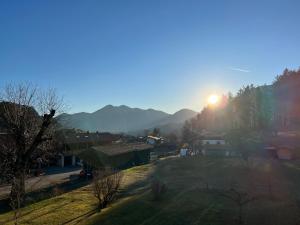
x=151, y=140
x=213, y=141
x=183, y=152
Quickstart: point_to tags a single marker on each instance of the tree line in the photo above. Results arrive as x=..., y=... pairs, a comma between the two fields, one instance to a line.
x=266, y=108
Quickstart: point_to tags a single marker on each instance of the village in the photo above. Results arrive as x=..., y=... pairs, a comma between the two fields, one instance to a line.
x=81, y=152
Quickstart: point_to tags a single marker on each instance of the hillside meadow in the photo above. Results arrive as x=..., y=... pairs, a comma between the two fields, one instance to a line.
x=197, y=193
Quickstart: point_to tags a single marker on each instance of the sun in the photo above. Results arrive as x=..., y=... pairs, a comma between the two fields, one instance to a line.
x=213, y=99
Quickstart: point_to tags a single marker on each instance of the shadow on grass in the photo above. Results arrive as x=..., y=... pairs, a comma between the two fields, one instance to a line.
x=82, y=217
x=136, y=188
x=46, y=193
x=32, y=211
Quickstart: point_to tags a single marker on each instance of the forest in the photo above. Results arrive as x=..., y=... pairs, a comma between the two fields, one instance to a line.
x=256, y=110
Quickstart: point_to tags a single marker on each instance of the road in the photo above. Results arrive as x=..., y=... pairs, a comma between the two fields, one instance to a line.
x=53, y=175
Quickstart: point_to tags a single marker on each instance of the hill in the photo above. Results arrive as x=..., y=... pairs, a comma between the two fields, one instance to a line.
x=123, y=119
x=173, y=123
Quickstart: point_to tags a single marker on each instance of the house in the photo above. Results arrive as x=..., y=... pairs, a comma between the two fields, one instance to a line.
x=285, y=153
x=153, y=156
x=215, y=145
x=118, y=156
x=213, y=140
x=165, y=149
x=284, y=145
x=183, y=152
x=280, y=152
x=152, y=140
x=271, y=151
x=217, y=150
x=71, y=142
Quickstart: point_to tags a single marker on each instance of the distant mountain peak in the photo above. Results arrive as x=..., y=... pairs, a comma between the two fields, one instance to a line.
x=185, y=111
x=123, y=119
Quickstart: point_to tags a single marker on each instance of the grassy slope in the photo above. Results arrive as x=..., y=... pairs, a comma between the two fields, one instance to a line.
x=74, y=207
x=186, y=201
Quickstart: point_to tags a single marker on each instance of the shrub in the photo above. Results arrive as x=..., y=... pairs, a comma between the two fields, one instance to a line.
x=56, y=191
x=106, y=184
x=158, y=188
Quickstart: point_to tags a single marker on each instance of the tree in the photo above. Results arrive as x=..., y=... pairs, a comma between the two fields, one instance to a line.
x=26, y=119
x=188, y=135
x=146, y=132
x=254, y=108
x=156, y=132
x=158, y=189
x=287, y=97
x=238, y=139
x=106, y=184
x=241, y=199
x=172, y=138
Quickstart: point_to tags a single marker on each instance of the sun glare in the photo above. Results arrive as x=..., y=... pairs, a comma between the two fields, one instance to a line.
x=213, y=99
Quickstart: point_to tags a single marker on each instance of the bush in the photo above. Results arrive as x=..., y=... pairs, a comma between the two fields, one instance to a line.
x=56, y=191
x=106, y=184
x=158, y=188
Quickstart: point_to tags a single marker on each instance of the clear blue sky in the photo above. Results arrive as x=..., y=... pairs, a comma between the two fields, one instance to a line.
x=162, y=54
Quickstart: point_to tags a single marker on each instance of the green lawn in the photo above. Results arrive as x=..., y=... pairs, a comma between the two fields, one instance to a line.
x=187, y=200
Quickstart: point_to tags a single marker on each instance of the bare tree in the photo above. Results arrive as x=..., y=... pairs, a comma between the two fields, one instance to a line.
x=158, y=189
x=172, y=138
x=106, y=184
x=240, y=198
x=26, y=128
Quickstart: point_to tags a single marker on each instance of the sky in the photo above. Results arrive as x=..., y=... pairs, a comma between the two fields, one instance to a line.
x=161, y=54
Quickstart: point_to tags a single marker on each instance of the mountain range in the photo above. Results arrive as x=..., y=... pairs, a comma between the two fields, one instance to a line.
x=124, y=119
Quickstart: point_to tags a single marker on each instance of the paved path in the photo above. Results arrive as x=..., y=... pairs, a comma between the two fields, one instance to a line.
x=53, y=175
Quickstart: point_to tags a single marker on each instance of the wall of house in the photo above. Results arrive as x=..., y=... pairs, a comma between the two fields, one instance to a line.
x=97, y=159
x=151, y=141
x=284, y=154
x=213, y=142
x=129, y=159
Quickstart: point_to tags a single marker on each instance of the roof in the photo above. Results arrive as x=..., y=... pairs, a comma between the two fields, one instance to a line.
x=283, y=141
x=216, y=147
x=212, y=138
x=84, y=137
x=155, y=138
x=112, y=155
x=116, y=149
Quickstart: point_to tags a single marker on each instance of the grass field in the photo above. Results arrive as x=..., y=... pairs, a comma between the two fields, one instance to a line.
x=193, y=196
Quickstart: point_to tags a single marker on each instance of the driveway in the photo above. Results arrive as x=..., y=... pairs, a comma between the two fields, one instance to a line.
x=52, y=176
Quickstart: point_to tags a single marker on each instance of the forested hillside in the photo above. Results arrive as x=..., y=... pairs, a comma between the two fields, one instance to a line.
x=263, y=108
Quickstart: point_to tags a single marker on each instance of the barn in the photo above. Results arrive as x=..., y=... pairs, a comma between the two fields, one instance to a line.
x=72, y=142
x=119, y=156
